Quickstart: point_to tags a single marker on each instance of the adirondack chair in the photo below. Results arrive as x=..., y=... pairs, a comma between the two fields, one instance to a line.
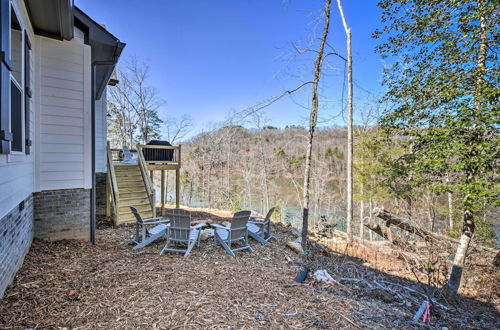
x=144, y=234
x=181, y=231
x=260, y=228
x=128, y=156
x=235, y=232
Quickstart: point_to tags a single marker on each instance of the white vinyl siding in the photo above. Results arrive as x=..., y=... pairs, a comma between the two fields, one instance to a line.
x=17, y=170
x=64, y=120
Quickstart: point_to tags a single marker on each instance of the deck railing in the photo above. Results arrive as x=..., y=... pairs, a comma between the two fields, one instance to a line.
x=143, y=165
x=113, y=194
x=116, y=154
x=164, y=155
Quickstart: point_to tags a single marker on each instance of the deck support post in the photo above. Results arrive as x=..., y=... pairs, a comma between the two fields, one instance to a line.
x=162, y=192
x=177, y=188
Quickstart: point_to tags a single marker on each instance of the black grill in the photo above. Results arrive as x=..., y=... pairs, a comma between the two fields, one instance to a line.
x=158, y=154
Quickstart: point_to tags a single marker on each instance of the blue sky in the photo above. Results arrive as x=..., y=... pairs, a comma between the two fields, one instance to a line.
x=210, y=57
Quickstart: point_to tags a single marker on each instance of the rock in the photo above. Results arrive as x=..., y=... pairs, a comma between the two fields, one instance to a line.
x=206, y=234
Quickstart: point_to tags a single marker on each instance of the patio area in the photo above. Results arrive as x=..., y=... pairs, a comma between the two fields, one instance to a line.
x=72, y=284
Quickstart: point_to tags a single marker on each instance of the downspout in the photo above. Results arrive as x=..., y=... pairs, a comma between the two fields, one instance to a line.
x=93, y=238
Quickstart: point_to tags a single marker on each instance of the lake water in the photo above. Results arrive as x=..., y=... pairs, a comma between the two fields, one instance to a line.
x=290, y=213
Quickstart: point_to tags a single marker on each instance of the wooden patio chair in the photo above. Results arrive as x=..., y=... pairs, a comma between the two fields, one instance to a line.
x=181, y=231
x=144, y=234
x=236, y=231
x=259, y=228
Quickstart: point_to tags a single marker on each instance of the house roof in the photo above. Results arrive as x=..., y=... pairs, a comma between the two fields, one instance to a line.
x=52, y=18
x=58, y=18
x=106, y=48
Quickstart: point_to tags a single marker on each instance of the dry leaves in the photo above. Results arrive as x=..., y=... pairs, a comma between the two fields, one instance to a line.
x=74, y=285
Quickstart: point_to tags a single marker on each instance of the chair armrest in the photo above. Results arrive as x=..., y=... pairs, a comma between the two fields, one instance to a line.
x=156, y=222
x=200, y=225
x=155, y=219
x=215, y=225
x=255, y=217
x=259, y=223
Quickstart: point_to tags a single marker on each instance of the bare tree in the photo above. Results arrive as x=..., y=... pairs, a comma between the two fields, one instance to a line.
x=144, y=100
x=313, y=119
x=349, y=126
x=259, y=122
x=133, y=106
x=122, y=116
x=177, y=128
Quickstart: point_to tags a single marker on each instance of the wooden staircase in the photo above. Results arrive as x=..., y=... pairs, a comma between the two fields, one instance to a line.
x=129, y=185
x=132, y=192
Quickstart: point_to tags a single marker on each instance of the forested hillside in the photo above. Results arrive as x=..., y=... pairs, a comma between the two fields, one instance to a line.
x=234, y=168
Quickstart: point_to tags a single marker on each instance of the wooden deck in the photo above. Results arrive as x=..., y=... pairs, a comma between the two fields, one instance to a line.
x=147, y=160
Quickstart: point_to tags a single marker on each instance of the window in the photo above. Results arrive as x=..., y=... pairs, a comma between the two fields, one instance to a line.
x=16, y=90
x=16, y=120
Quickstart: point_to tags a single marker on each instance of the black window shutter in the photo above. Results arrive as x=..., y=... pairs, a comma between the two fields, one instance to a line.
x=27, y=93
x=5, y=68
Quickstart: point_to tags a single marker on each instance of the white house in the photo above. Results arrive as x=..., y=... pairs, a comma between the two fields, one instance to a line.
x=55, y=65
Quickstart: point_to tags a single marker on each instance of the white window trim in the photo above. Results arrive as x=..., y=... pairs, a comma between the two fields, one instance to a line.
x=14, y=155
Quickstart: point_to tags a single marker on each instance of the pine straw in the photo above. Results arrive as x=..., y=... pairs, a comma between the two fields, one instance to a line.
x=72, y=284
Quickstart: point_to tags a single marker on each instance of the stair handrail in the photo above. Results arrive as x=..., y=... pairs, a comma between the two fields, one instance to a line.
x=115, y=197
x=147, y=179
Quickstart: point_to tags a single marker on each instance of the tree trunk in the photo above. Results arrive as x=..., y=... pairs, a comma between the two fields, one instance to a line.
x=264, y=169
x=450, y=206
x=349, y=126
x=459, y=261
x=468, y=225
x=361, y=214
x=313, y=118
x=370, y=216
x=349, y=141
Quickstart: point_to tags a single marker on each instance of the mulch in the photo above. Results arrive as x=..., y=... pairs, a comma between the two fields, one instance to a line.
x=75, y=285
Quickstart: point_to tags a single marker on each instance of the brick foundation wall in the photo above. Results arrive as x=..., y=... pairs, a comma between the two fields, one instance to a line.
x=100, y=194
x=16, y=235
x=62, y=214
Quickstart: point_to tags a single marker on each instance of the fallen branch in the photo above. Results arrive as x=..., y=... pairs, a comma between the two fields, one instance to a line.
x=403, y=224
x=378, y=230
x=295, y=247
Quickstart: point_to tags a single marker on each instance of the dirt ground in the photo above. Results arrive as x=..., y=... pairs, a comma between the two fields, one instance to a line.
x=73, y=284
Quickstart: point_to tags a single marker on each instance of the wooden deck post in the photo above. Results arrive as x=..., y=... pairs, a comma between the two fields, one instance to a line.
x=162, y=191
x=177, y=188
x=177, y=180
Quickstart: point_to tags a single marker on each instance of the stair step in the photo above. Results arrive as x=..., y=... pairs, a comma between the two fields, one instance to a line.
x=133, y=194
x=140, y=207
x=130, y=179
x=131, y=189
x=126, y=201
x=129, y=217
x=128, y=172
x=135, y=176
x=144, y=214
x=130, y=183
x=126, y=220
x=125, y=167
